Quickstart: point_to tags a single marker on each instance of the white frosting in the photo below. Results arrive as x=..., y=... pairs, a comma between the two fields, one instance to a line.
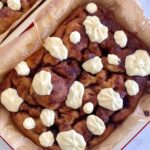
x=96, y=31
x=138, y=63
x=93, y=65
x=91, y=8
x=121, y=38
x=88, y=108
x=47, y=117
x=110, y=99
x=71, y=140
x=29, y=123
x=95, y=125
x=75, y=95
x=75, y=37
x=46, y=139
x=113, y=59
x=11, y=100
x=132, y=87
x=22, y=69
x=14, y=4
x=1, y=5
x=42, y=83
x=56, y=48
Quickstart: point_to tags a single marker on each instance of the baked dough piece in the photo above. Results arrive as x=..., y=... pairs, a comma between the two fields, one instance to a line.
x=64, y=73
x=9, y=16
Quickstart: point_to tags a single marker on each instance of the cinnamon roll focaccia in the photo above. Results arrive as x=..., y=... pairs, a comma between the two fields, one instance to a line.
x=85, y=81
x=12, y=10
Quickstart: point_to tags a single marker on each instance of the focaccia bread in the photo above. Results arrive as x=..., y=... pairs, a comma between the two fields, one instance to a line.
x=12, y=10
x=85, y=81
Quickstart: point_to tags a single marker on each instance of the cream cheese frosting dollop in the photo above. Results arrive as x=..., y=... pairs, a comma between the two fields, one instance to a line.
x=29, y=123
x=75, y=37
x=138, y=63
x=88, y=108
x=71, y=140
x=96, y=31
x=75, y=95
x=91, y=8
x=132, y=87
x=95, y=125
x=22, y=69
x=113, y=59
x=93, y=65
x=1, y=5
x=56, y=48
x=14, y=4
x=42, y=83
x=110, y=99
x=121, y=38
x=11, y=100
x=47, y=117
x=46, y=139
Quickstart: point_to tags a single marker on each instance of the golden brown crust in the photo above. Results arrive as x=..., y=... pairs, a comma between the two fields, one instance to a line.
x=7, y=17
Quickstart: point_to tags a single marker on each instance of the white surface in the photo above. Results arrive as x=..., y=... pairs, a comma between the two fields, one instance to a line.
x=146, y=5
x=141, y=141
x=4, y=145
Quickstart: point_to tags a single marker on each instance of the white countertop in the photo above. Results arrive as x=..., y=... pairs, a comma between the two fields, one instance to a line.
x=146, y=5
